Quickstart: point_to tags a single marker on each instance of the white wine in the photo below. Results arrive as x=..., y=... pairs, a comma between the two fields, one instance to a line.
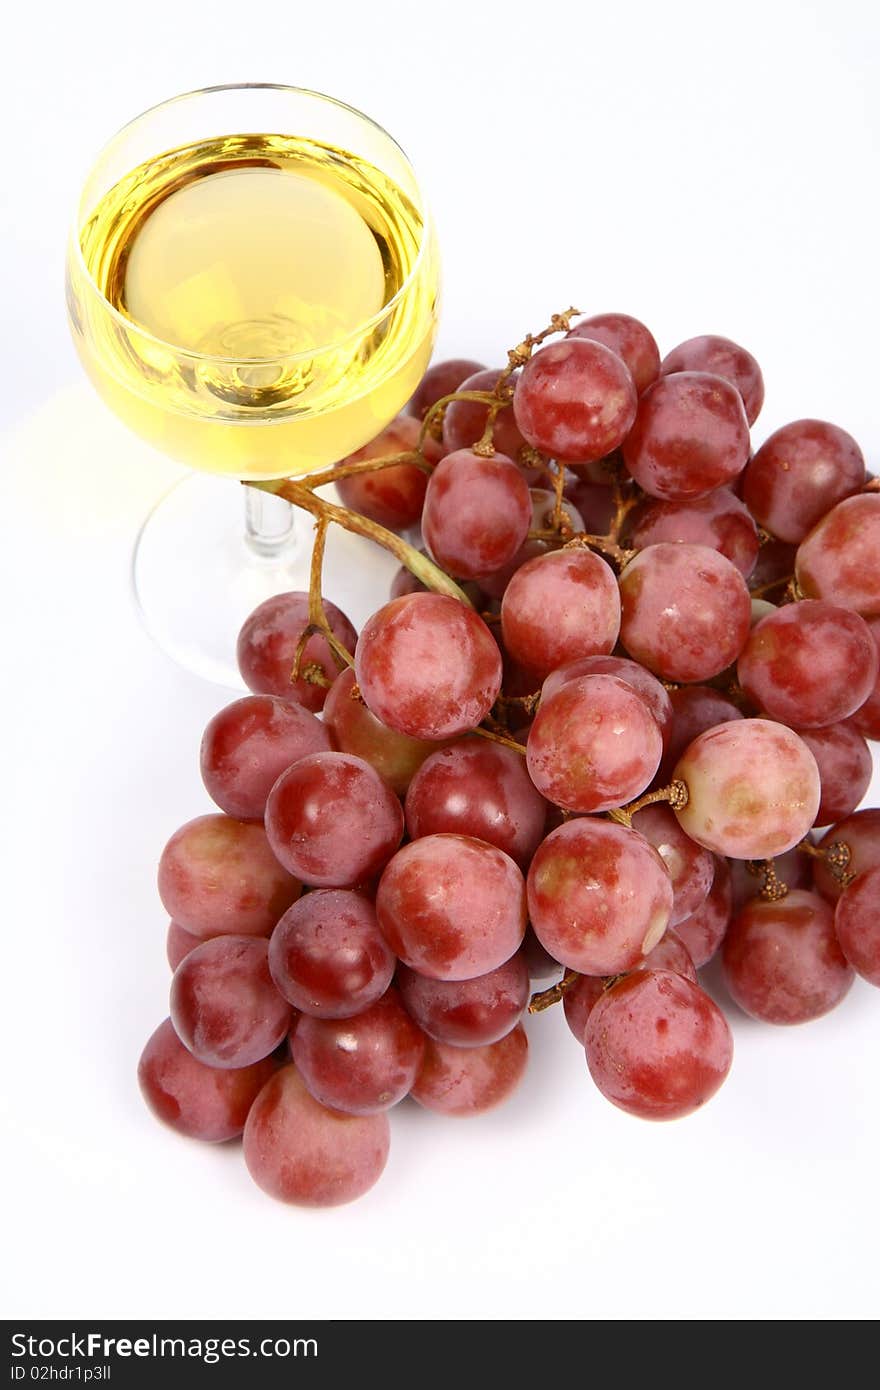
x=253, y=281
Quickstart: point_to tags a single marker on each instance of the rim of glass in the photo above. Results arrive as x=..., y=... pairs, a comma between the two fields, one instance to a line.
x=132, y=326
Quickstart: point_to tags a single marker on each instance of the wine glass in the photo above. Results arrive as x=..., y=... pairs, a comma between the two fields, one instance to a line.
x=252, y=285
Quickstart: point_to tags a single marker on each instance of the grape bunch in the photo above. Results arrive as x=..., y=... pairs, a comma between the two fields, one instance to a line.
x=611, y=723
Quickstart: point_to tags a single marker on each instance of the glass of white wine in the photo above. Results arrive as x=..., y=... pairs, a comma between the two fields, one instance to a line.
x=252, y=287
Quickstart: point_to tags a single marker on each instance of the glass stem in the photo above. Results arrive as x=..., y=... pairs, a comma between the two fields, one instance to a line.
x=268, y=523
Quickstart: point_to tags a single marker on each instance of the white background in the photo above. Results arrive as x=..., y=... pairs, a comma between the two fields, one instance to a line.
x=707, y=168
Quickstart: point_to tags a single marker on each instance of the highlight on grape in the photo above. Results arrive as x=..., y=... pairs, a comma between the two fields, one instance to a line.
x=611, y=723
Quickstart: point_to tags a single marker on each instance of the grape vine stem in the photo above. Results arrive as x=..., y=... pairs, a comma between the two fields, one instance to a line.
x=494, y=737
x=318, y=622
x=773, y=889
x=547, y=997
x=676, y=794
x=837, y=858
x=301, y=494
x=353, y=470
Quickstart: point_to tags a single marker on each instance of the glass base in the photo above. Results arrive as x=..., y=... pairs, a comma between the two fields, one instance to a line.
x=197, y=575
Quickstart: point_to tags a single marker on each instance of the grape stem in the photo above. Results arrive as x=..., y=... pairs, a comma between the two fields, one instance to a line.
x=837, y=858
x=352, y=470
x=624, y=501
x=773, y=889
x=559, y=491
x=301, y=495
x=604, y=544
x=625, y=498
x=494, y=737
x=527, y=703
x=519, y=356
x=484, y=446
x=318, y=623
x=530, y=457
x=546, y=997
x=762, y=589
x=676, y=794
x=434, y=416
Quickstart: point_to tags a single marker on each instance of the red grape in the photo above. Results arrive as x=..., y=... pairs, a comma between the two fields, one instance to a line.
x=558, y=607
x=363, y=1064
x=857, y=924
x=723, y=358
x=630, y=339
x=389, y=949
x=575, y=400
x=657, y=1046
x=581, y=997
x=327, y=955
x=470, y=1080
x=391, y=496
x=690, y=436
x=691, y=868
x=441, y=379
x=224, y=1004
x=798, y=474
x=599, y=896
x=465, y=421
x=267, y=647
x=593, y=745
x=685, y=611
x=646, y=686
x=481, y=790
x=178, y=943
x=753, y=789
x=775, y=563
x=299, y=1151
x=428, y=666
x=809, y=664
x=396, y=757
x=719, y=521
x=845, y=766
x=781, y=960
x=670, y=953
x=695, y=708
x=218, y=875
x=861, y=832
x=703, y=932
x=247, y=746
x=477, y=513
x=867, y=717
x=332, y=820
x=837, y=561
x=201, y=1102
x=452, y=907
x=468, y=1013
